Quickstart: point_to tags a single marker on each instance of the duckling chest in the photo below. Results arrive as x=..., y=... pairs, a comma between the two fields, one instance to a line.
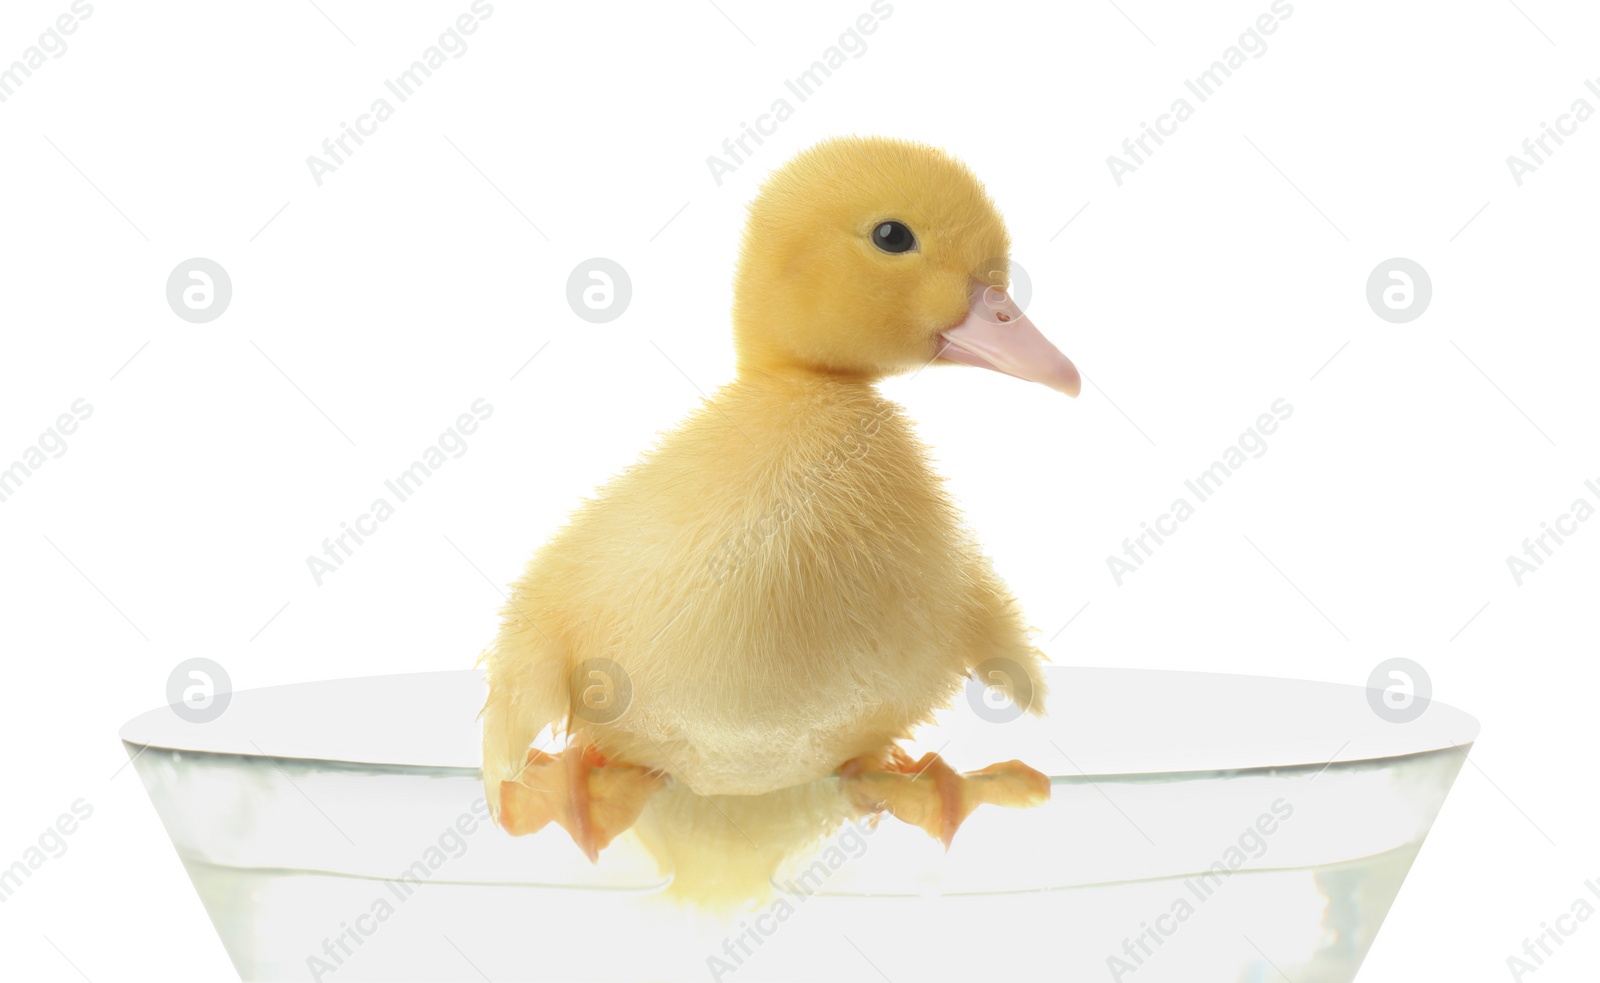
x=804, y=615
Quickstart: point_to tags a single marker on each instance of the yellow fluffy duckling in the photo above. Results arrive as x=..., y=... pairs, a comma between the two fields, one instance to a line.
x=781, y=590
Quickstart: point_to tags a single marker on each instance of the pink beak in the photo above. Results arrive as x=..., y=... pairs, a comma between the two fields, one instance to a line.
x=997, y=335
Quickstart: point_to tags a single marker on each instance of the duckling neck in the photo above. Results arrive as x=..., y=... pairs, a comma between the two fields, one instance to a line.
x=776, y=377
x=816, y=423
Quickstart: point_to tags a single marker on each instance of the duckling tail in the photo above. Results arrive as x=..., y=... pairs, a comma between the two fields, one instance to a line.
x=724, y=851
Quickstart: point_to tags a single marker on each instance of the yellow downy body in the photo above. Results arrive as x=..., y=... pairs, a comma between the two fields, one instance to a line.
x=782, y=580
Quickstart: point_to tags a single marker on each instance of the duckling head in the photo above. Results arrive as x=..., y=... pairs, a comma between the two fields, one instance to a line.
x=868, y=257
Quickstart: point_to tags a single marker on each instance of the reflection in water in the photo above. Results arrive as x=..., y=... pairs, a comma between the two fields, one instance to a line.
x=1051, y=893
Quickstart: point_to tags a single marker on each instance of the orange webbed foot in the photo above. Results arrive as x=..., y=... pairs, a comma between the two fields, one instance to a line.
x=930, y=794
x=591, y=798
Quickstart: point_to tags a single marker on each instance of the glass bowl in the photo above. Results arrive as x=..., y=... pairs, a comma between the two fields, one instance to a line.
x=1201, y=827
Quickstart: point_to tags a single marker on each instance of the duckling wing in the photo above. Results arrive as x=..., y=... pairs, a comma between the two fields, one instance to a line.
x=528, y=691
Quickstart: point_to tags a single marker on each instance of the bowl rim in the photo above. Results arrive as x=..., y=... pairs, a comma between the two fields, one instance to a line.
x=1199, y=737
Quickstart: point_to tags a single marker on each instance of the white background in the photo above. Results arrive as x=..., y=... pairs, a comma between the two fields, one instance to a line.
x=372, y=310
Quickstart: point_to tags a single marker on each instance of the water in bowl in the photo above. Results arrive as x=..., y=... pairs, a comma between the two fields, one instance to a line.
x=1250, y=858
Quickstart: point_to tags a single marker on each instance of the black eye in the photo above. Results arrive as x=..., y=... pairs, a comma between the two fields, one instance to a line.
x=893, y=237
